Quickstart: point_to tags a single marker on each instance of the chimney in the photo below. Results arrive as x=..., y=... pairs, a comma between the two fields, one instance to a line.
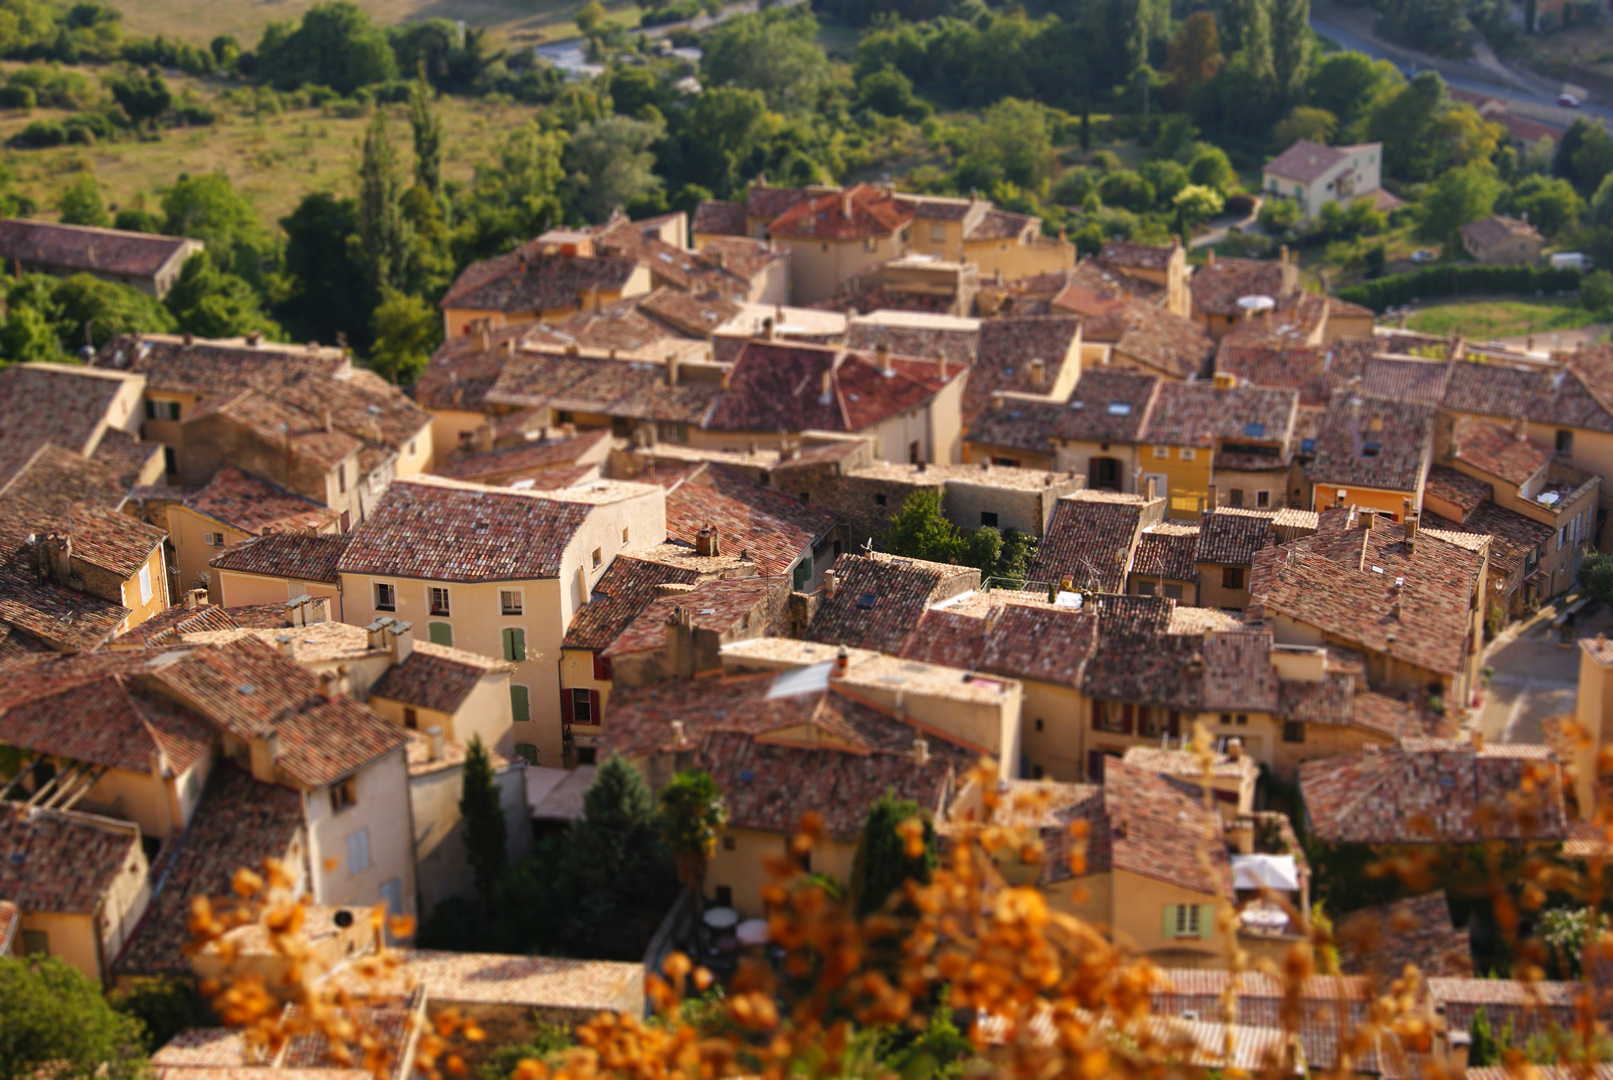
x=190, y=599
x=768, y=329
x=883, y=352
x=1209, y=259
x=316, y=611
x=921, y=751
x=842, y=662
x=941, y=367
x=287, y=643
x=1226, y=380
x=828, y=383
x=672, y=369
x=1411, y=529
x=1209, y=499
x=831, y=581
x=1355, y=427
x=1520, y=428
x=159, y=764
x=707, y=543
x=253, y=339
x=1394, y=609
x=509, y=346
x=1282, y=254
x=1369, y=518
x=265, y=752
x=400, y=641
x=996, y=403
x=679, y=739
x=329, y=427
x=845, y=203
x=1038, y=371
x=434, y=733
x=1149, y=491
x=680, y=643
x=1234, y=749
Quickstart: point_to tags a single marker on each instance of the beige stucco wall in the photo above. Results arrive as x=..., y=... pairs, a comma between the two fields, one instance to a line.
x=1055, y=749
x=234, y=589
x=974, y=452
x=484, y=713
x=1070, y=454
x=1186, y=473
x=160, y=806
x=439, y=834
x=1321, y=741
x=382, y=809
x=744, y=869
x=447, y=425
x=157, y=572
x=1393, y=503
x=1015, y=259
x=1594, y=714
x=817, y=267
x=1139, y=915
x=73, y=938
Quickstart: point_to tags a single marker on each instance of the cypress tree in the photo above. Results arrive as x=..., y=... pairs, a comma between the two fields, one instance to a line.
x=486, y=834
x=882, y=863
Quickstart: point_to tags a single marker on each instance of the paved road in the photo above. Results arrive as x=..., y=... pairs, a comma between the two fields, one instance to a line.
x=568, y=52
x=1356, y=42
x=1535, y=678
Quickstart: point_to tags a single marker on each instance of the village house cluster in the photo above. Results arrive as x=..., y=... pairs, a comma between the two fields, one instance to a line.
x=255, y=601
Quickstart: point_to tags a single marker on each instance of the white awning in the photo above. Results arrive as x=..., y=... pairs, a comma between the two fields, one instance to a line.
x=1265, y=872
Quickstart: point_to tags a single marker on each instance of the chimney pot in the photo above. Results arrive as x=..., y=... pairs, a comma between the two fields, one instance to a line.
x=1038, y=371
x=921, y=751
x=708, y=543
x=1369, y=518
x=831, y=581
x=1235, y=749
x=1209, y=499
x=883, y=352
x=842, y=661
x=434, y=733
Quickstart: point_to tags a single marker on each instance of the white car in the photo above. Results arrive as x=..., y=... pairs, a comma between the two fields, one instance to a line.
x=1422, y=255
x=1568, y=101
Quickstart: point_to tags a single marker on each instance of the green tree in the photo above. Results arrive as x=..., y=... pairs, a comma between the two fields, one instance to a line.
x=589, y=18
x=212, y=303
x=1456, y=198
x=1304, y=122
x=1009, y=143
x=1196, y=204
x=330, y=291
x=54, y=1021
x=1166, y=176
x=1550, y=202
x=1277, y=216
x=1126, y=189
x=385, y=233
x=143, y=96
x=80, y=203
x=1291, y=48
x=1437, y=26
x=335, y=45
x=920, y=531
x=1349, y=85
x=1483, y=1049
x=164, y=1007
x=406, y=330
x=208, y=208
x=1595, y=575
x=1404, y=123
x=692, y=811
x=890, y=93
x=1596, y=294
x=1592, y=160
x=1210, y=168
x=92, y=311
x=884, y=859
x=426, y=125
x=610, y=165
x=486, y=834
x=775, y=52
x=514, y=197
x=1194, y=56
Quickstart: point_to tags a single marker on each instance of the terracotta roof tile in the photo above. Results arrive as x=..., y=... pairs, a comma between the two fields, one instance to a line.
x=460, y=374
x=1166, y=550
x=1373, y=442
x=299, y=555
x=528, y=280
x=1238, y=672
x=1498, y=228
x=1019, y=425
x=624, y=590
x=957, y=344
x=252, y=505
x=446, y=532
x=1305, y=161
x=1158, y=831
x=1217, y=289
x=513, y=462
x=1045, y=644
x=61, y=863
x=610, y=387
x=880, y=598
x=1005, y=354
x=435, y=677
x=1156, y=257
x=717, y=605
x=721, y=218
x=1201, y=413
x=276, y=423
x=1383, y=940
x=949, y=639
x=238, y=823
x=116, y=252
x=823, y=217
x=125, y=455
x=1231, y=538
x=1315, y=371
x=1570, y=397
x=535, y=982
x=1421, y=381
x=1435, y=791
x=1514, y=536
x=1089, y=541
x=1465, y=492
x=997, y=224
x=1176, y=347
x=1108, y=406
x=101, y=714
x=776, y=529
x=51, y=403
x=1496, y=450
x=1528, y=1008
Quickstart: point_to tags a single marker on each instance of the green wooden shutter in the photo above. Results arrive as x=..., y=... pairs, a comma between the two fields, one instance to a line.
x=1170, y=921
x=441, y=633
x=514, y=644
x=1206, y=921
x=519, y=708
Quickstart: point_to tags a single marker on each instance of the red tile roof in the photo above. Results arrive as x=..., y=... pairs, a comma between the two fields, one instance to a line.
x=445, y=532
x=1513, y=536
x=712, y=216
x=1528, y=1008
x=717, y=605
x=238, y=823
x=1045, y=644
x=1457, y=488
x=1497, y=450
x=997, y=224
x=880, y=598
x=624, y=590
x=252, y=505
x=948, y=639
x=528, y=280
x=1108, y=405
x=51, y=403
x=825, y=217
x=1166, y=550
x=1176, y=347
x=1156, y=257
x=1005, y=352
x=460, y=374
x=1435, y=791
x=1088, y=540
x=101, y=714
x=84, y=248
x=774, y=528
x=1422, y=381
x=775, y=386
x=1305, y=161
x=435, y=677
x=1217, y=289
x=1158, y=831
x=1570, y=397
x=616, y=388
x=1382, y=940
x=1372, y=442
x=1344, y=583
x=61, y=863
x=531, y=457
x=1201, y=413
x=1232, y=538
x=301, y=556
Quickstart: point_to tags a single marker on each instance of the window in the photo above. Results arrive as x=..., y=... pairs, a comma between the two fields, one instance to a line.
x=170, y=461
x=624, y=535
x=802, y=575
x=162, y=410
x=1173, y=592
x=440, y=633
x=1293, y=731
x=1565, y=442
x=438, y=599
x=1156, y=722
x=341, y=478
x=1145, y=588
x=728, y=843
x=1111, y=716
x=1235, y=498
x=602, y=668
x=938, y=234
x=1241, y=719
x=509, y=601
x=988, y=517
x=35, y=943
x=213, y=539
x=392, y=894
x=520, y=710
x=145, y=584
x=513, y=640
x=1262, y=500
x=1189, y=921
x=880, y=500
x=579, y=706
x=598, y=557
x=725, y=896
x=1006, y=462
x=1038, y=723
x=386, y=597
x=358, y=852
x=411, y=719
x=527, y=752
x=1226, y=719
x=1162, y=452
x=1232, y=577
x=871, y=244
x=344, y=793
x=670, y=432
x=1187, y=453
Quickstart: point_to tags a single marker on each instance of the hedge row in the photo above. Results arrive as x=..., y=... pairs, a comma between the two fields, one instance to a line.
x=1458, y=280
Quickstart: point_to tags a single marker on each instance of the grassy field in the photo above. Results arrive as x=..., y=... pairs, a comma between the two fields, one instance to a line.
x=518, y=21
x=1487, y=319
x=276, y=159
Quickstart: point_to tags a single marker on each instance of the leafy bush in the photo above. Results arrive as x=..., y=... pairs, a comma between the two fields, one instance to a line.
x=1278, y=216
x=40, y=134
x=1440, y=281
x=17, y=97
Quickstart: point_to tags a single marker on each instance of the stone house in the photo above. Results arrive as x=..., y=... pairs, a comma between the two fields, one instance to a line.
x=144, y=261
x=232, y=507
x=554, y=276
x=1503, y=240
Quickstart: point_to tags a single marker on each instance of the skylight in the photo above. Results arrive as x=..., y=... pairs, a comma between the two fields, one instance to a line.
x=866, y=600
x=1255, y=431
x=1119, y=408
